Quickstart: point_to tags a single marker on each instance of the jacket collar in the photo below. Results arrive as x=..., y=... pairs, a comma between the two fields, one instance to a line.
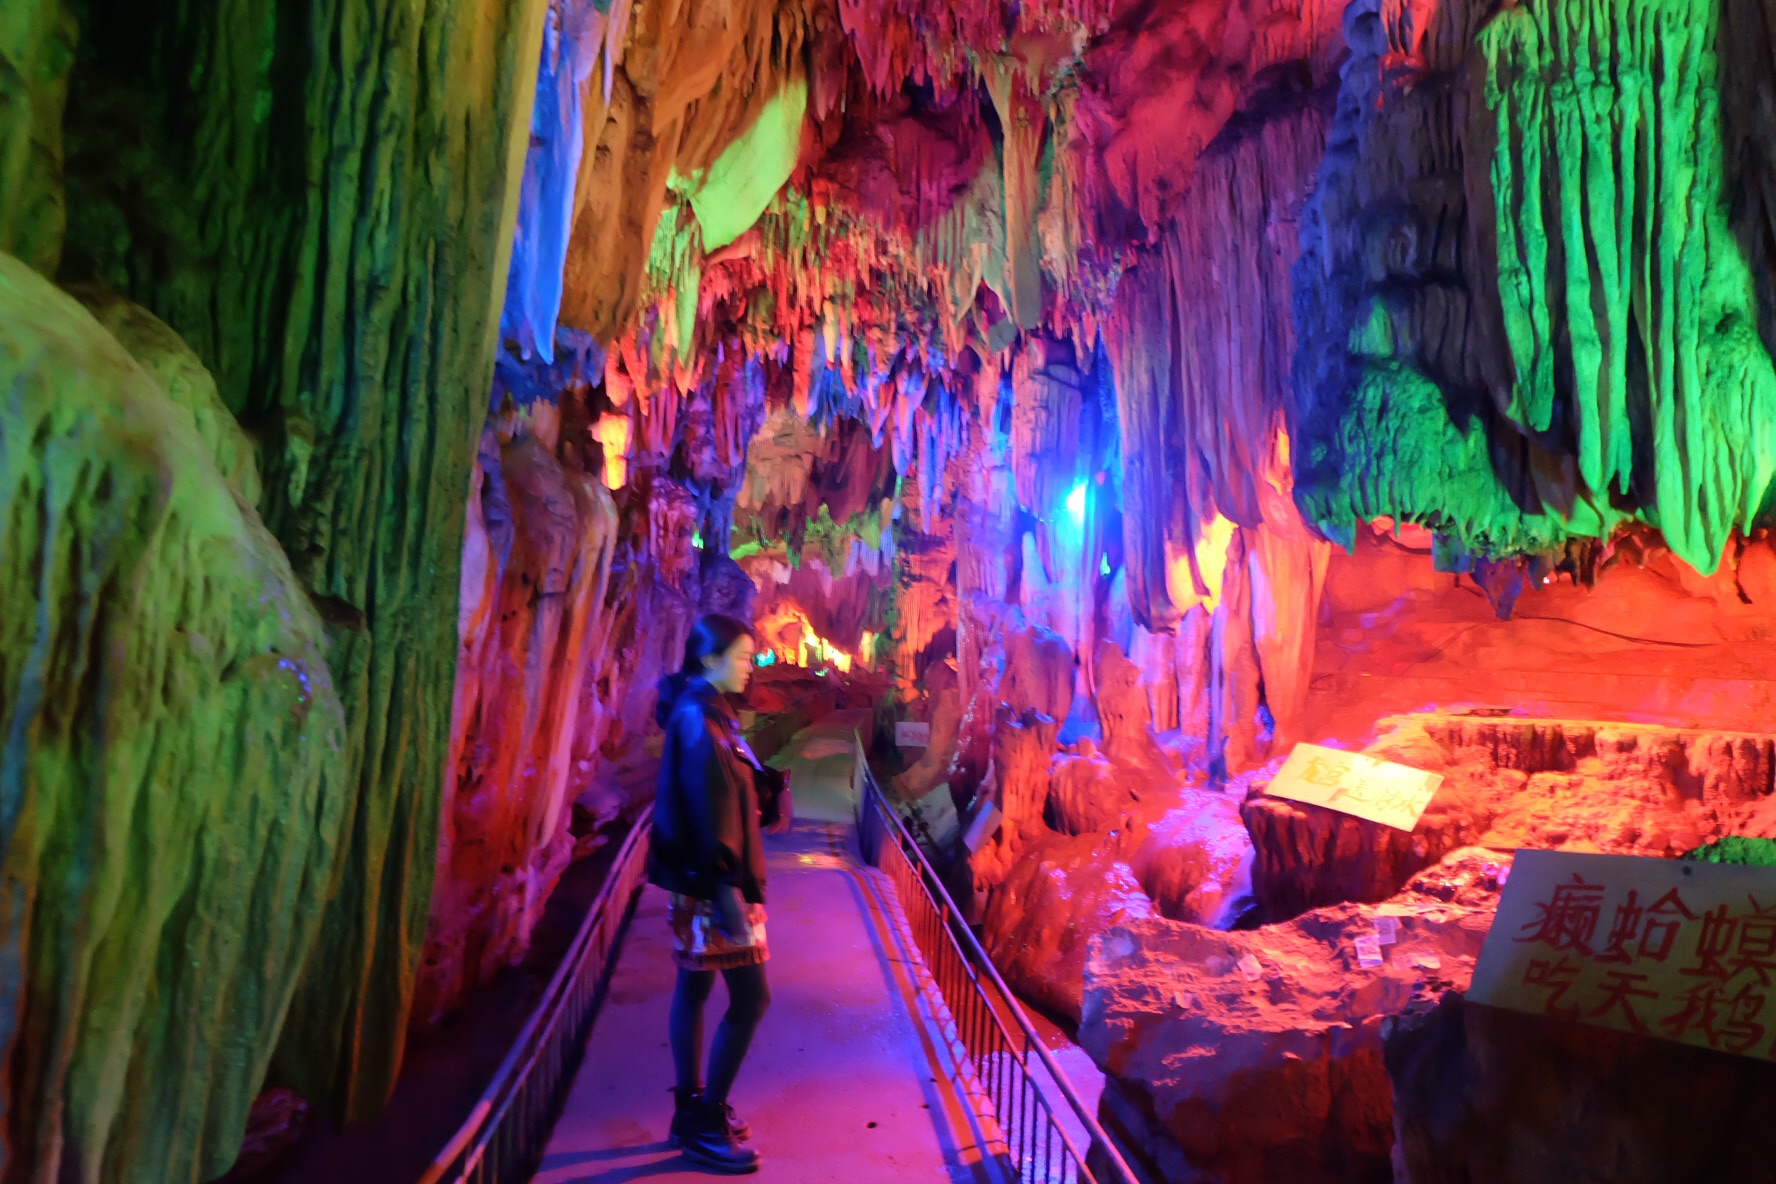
x=703, y=693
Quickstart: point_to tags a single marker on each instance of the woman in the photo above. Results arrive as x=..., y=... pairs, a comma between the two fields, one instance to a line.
x=707, y=853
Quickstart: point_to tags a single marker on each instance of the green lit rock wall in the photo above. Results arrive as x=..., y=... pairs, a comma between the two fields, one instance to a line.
x=173, y=794
x=1747, y=41
x=1524, y=309
x=318, y=197
x=36, y=51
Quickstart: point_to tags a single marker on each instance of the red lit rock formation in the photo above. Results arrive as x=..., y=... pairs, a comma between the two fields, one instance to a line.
x=1249, y=1057
x=1023, y=745
x=534, y=627
x=1038, y=674
x=1087, y=794
x=1617, y=788
x=1125, y=715
x=1042, y=916
x=944, y=707
x=1194, y=860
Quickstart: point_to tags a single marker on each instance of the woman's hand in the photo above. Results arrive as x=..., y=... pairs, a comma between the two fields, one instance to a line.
x=755, y=913
x=783, y=806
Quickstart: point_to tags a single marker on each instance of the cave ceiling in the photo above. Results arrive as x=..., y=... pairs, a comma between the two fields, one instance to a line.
x=1354, y=226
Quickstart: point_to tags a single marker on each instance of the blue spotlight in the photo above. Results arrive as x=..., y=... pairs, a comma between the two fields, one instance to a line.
x=1076, y=504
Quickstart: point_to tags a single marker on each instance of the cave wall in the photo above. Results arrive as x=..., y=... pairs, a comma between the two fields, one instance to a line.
x=322, y=214
x=339, y=268
x=174, y=810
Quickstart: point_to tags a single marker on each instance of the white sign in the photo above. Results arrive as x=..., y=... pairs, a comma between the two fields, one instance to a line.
x=1658, y=947
x=981, y=827
x=911, y=735
x=1349, y=782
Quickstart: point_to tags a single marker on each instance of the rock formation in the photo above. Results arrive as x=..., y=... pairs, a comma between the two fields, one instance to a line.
x=1615, y=788
x=1485, y=1096
x=1252, y=1056
x=174, y=807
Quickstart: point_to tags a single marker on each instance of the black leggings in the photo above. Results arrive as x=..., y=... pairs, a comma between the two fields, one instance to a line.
x=748, y=996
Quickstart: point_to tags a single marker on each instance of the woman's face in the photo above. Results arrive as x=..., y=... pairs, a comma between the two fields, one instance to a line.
x=730, y=671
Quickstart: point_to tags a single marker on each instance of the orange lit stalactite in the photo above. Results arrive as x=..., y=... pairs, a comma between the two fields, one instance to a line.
x=612, y=431
x=790, y=636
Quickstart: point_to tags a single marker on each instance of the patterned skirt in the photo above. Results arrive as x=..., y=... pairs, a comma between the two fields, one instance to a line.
x=698, y=943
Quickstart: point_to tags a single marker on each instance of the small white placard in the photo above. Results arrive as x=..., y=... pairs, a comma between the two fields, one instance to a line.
x=981, y=827
x=1349, y=782
x=908, y=734
x=1368, y=950
x=1387, y=930
x=1250, y=968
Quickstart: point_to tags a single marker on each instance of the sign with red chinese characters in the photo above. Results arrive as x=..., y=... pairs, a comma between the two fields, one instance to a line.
x=1378, y=790
x=1659, y=947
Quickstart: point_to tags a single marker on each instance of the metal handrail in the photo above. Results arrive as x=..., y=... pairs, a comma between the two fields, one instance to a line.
x=502, y=1140
x=1038, y=1145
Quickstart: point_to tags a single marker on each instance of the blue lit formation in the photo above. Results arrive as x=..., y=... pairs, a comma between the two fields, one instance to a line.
x=1076, y=504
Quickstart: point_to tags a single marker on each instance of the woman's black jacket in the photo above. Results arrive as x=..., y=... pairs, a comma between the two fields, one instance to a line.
x=706, y=812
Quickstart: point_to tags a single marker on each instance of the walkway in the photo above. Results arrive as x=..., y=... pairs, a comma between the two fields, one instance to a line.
x=824, y=776
x=844, y=1084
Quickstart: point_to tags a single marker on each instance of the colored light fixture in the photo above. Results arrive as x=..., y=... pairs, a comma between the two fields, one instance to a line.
x=1076, y=504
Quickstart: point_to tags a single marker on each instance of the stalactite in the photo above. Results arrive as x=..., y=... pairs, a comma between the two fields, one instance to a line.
x=1045, y=425
x=1747, y=45
x=1160, y=86
x=577, y=37
x=1157, y=504
x=693, y=77
x=1617, y=265
x=1023, y=122
x=1286, y=572
x=1556, y=311
x=1234, y=680
x=1200, y=338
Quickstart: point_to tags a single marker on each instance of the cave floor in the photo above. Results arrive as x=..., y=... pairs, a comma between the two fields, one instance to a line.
x=844, y=1081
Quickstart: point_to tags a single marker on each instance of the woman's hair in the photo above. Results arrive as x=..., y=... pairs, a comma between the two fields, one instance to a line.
x=713, y=635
